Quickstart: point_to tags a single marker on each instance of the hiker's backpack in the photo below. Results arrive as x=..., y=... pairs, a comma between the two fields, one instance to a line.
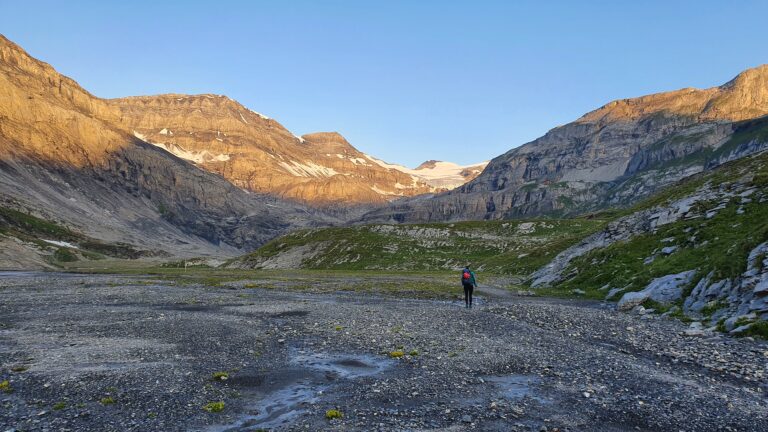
x=466, y=275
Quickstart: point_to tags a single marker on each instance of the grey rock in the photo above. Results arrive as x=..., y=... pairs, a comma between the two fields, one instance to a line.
x=613, y=292
x=631, y=299
x=669, y=250
x=665, y=289
x=741, y=329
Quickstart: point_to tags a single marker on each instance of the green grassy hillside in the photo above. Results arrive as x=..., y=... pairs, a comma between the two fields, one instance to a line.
x=504, y=247
x=716, y=236
x=58, y=244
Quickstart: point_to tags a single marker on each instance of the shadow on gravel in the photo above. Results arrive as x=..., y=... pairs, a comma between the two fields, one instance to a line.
x=282, y=395
x=298, y=313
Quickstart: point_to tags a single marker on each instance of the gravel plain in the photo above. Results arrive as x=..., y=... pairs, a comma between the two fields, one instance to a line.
x=116, y=353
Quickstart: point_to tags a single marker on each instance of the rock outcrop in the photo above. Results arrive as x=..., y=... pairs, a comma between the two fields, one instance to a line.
x=679, y=257
x=664, y=290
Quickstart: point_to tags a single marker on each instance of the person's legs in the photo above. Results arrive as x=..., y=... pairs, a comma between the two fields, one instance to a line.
x=470, y=290
x=466, y=295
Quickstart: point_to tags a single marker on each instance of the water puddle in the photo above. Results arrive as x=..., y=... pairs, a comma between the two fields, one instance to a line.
x=516, y=387
x=343, y=366
x=283, y=395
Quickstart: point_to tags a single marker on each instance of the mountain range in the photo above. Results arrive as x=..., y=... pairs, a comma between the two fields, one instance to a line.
x=202, y=175
x=177, y=174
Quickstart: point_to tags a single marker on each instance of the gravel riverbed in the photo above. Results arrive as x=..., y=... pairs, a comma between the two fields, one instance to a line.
x=113, y=353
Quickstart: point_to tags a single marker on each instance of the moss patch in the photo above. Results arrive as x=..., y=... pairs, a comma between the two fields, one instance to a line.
x=333, y=414
x=220, y=376
x=214, y=407
x=5, y=387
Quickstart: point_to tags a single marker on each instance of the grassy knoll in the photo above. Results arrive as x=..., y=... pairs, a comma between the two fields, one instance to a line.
x=501, y=247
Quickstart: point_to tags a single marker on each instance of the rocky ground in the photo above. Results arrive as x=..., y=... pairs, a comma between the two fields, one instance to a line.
x=118, y=353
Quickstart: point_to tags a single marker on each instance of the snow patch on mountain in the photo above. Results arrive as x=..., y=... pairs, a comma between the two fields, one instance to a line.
x=383, y=192
x=438, y=174
x=181, y=152
x=259, y=114
x=309, y=169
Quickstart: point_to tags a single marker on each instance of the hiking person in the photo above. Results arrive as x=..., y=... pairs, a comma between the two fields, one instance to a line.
x=469, y=282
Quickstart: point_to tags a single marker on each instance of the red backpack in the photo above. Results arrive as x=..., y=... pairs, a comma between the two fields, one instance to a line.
x=465, y=277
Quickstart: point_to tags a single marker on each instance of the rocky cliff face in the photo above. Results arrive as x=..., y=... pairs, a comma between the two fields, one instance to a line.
x=71, y=157
x=258, y=154
x=699, y=249
x=615, y=154
x=212, y=132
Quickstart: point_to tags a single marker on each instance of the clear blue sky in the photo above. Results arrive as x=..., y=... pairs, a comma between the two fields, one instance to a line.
x=403, y=80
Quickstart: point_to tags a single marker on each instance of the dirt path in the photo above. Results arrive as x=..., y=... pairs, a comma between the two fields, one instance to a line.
x=110, y=353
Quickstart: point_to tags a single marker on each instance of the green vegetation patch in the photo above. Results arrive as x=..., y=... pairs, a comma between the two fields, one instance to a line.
x=757, y=329
x=19, y=222
x=720, y=244
x=214, y=407
x=333, y=414
x=220, y=376
x=497, y=247
x=63, y=254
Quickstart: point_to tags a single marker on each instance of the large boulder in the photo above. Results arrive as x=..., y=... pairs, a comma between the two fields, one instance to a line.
x=665, y=290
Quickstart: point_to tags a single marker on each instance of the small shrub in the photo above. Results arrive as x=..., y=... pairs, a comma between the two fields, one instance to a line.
x=64, y=255
x=19, y=368
x=109, y=400
x=712, y=307
x=413, y=353
x=396, y=354
x=59, y=406
x=656, y=306
x=220, y=376
x=5, y=387
x=339, y=328
x=333, y=414
x=214, y=407
x=758, y=329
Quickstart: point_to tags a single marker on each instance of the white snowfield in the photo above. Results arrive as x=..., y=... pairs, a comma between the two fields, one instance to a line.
x=354, y=160
x=61, y=244
x=383, y=192
x=181, y=152
x=309, y=169
x=443, y=175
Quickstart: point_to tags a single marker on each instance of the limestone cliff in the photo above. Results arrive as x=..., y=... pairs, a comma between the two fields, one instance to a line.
x=256, y=153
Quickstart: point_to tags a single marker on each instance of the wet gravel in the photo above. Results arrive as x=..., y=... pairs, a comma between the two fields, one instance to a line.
x=115, y=353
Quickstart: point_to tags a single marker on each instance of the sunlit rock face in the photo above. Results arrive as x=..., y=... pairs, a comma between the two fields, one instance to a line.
x=616, y=154
x=94, y=165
